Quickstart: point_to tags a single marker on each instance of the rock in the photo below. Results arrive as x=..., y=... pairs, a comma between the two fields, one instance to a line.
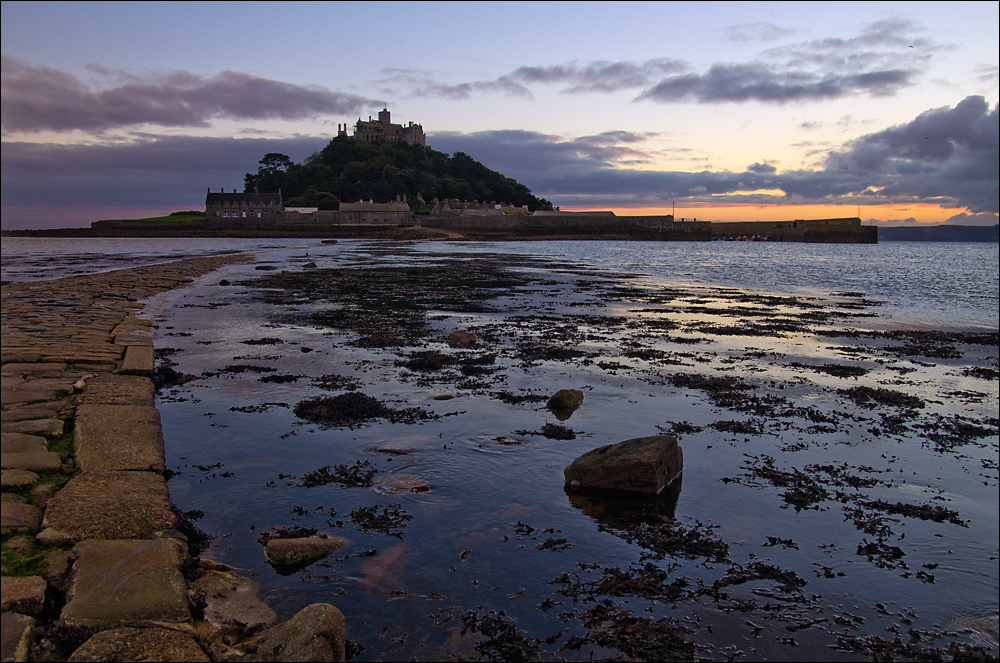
x=462, y=339
x=140, y=644
x=401, y=483
x=301, y=551
x=231, y=604
x=643, y=465
x=224, y=282
x=24, y=595
x=16, y=634
x=309, y=265
x=317, y=633
x=564, y=402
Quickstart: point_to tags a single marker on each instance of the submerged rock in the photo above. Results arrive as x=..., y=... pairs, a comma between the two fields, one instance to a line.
x=302, y=551
x=401, y=483
x=642, y=465
x=462, y=339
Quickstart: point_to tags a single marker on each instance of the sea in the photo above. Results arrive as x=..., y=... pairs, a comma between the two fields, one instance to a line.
x=839, y=498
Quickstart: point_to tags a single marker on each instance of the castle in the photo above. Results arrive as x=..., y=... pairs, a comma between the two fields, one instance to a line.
x=383, y=129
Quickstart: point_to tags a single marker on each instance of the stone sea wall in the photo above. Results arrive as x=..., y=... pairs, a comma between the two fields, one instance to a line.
x=657, y=228
x=630, y=227
x=96, y=563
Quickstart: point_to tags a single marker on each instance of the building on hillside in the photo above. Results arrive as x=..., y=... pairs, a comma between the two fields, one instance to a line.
x=372, y=213
x=383, y=129
x=251, y=210
x=475, y=208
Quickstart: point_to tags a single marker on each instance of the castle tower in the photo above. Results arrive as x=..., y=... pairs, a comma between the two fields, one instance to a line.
x=383, y=117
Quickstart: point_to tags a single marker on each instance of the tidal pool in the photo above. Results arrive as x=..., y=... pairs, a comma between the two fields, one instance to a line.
x=839, y=497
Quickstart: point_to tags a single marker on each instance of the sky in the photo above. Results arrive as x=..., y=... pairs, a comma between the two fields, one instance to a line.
x=716, y=111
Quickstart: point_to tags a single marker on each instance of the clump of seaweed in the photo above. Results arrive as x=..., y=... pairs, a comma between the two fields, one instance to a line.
x=359, y=475
x=503, y=641
x=870, y=398
x=353, y=409
x=391, y=520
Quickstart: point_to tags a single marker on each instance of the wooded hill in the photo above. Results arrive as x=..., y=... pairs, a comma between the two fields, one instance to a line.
x=347, y=170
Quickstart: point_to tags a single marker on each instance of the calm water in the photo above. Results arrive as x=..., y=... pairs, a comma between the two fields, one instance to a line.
x=497, y=527
x=937, y=285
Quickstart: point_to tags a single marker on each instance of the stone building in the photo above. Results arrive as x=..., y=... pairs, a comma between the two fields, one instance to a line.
x=243, y=209
x=383, y=129
x=475, y=208
x=370, y=213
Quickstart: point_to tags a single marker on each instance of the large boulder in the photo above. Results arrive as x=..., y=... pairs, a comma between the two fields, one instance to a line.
x=232, y=606
x=140, y=644
x=317, y=633
x=643, y=465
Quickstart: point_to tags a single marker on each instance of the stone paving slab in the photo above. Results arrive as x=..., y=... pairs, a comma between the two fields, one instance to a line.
x=19, y=443
x=138, y=360
x=36, y=411
x=16, y=634
x=58, y=385
x=24, y=369
x=17, y=518
x=117, y=390
x=38, y=461
x=47, y=427
x=25, y=595
x=126, y=583
x=8, y=398
x=17, y=479
x=107, y=505
x=118, y=437
x=140, y=644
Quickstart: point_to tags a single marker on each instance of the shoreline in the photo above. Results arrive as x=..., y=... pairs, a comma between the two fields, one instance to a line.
x=97, y=563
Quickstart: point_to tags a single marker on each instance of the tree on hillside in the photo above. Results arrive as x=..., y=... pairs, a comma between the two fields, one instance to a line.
x=348, y=169
x=274, y=162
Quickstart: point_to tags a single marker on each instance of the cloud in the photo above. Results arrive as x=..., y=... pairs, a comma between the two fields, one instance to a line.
x=153, y=172
x=759, y=82
x=879, y=60
x=964, y=219
x=747, y=32
x=946, y=156
x=948, y=153
x=37, y=98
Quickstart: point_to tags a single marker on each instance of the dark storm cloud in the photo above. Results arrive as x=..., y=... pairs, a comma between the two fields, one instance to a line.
x=947, y=156
x=945, y=152
x=39, y=98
